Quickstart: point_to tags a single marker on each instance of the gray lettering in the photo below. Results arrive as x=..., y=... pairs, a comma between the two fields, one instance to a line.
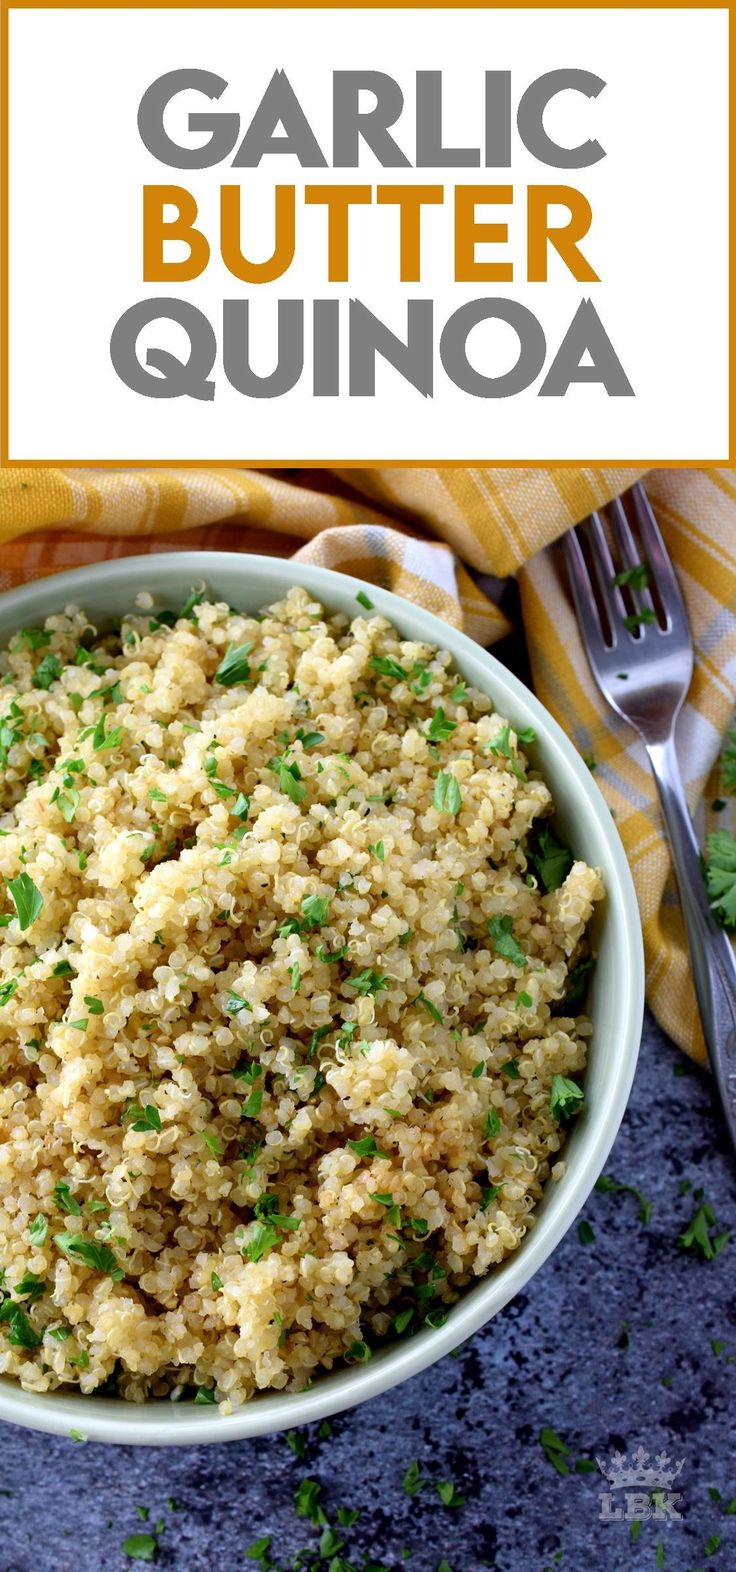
x=236, y=349
x=155, y=100
x=530, y=118
x=370, y=337
x=430, y=152
x=350, y=123
x=586, y=333
x=454, y=352
x=178, y=378
x=279, y=106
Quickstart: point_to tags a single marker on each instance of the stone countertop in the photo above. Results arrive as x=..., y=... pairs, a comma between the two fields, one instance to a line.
x=621, y=1342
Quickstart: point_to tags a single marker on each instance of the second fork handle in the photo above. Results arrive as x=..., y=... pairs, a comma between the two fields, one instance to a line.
x=711, y=953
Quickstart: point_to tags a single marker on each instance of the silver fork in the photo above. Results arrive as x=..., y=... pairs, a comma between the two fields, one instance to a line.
x=640, y=651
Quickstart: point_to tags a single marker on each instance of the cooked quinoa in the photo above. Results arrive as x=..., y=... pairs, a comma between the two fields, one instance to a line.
x=290, y=966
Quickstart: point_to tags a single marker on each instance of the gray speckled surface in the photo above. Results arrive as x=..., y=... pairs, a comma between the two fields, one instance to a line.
x=557, y=1356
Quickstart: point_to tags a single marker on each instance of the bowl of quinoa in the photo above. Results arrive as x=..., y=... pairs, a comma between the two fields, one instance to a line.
x=301, y=895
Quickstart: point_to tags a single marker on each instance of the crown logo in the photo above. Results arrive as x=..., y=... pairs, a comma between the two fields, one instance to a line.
x=659, y=1473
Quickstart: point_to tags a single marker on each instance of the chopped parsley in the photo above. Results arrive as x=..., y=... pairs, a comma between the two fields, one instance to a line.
x=613, y=1187
x=551, y=861
x=47, y=671
x=144, y=1119
x=491, y=1124
x=699, y=1235
x=98, y=1257
x=235, y=666
x=500, y=746
x=565, y=1097
x=369, y=982
x=501, y=932
x=728, y=764
x=101, y=738
x=38, y=1230
x=358, y=1352
x=315, y=909
x=379, y=851
x=639, y=619
x=440, y=728
x=578, y=982
x=65, y=1200
x=7, y=989
x=33, y=638
x=637, y=577
x=366, y=1147
x=412, y=1481
x=27, y=900
x=555, y=1451
x=447, y=796
x=235, y=1004
x=20, y=1333
x=290, y=781
x=94, y=1005
x=141, y=1547
x=388, y=667
x=215, y=1146
x=720, y=876
x=306, y=1502
x=431, y=1008
x=448, y=1493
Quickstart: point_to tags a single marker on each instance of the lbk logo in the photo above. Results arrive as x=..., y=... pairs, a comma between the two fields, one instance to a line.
x=640, y=1489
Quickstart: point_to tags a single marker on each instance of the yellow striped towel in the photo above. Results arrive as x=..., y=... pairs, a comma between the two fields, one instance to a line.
x=412, y=530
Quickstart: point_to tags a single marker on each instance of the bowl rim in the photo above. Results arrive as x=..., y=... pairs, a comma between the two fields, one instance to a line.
x=163, y=1423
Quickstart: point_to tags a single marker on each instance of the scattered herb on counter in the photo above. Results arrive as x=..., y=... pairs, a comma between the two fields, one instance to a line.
x=612, y=1187
x=141, y=1547
x=699, y=1235
x=448, y=1493
x=555, y=1451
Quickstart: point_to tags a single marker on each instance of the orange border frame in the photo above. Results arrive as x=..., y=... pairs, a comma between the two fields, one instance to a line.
x=325, y=463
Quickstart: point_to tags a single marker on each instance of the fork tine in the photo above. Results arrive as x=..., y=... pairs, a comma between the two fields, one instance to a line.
x=583, y=593
x=605, y=571
x=628, y=551
x=662, y=570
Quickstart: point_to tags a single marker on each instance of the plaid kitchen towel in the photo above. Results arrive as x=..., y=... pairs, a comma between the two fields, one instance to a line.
x=412, y=530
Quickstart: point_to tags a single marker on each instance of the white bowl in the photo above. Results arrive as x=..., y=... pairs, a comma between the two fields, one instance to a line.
x=615, y=1003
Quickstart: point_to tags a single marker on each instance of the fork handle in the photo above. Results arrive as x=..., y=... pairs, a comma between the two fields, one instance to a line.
x=711, y=952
